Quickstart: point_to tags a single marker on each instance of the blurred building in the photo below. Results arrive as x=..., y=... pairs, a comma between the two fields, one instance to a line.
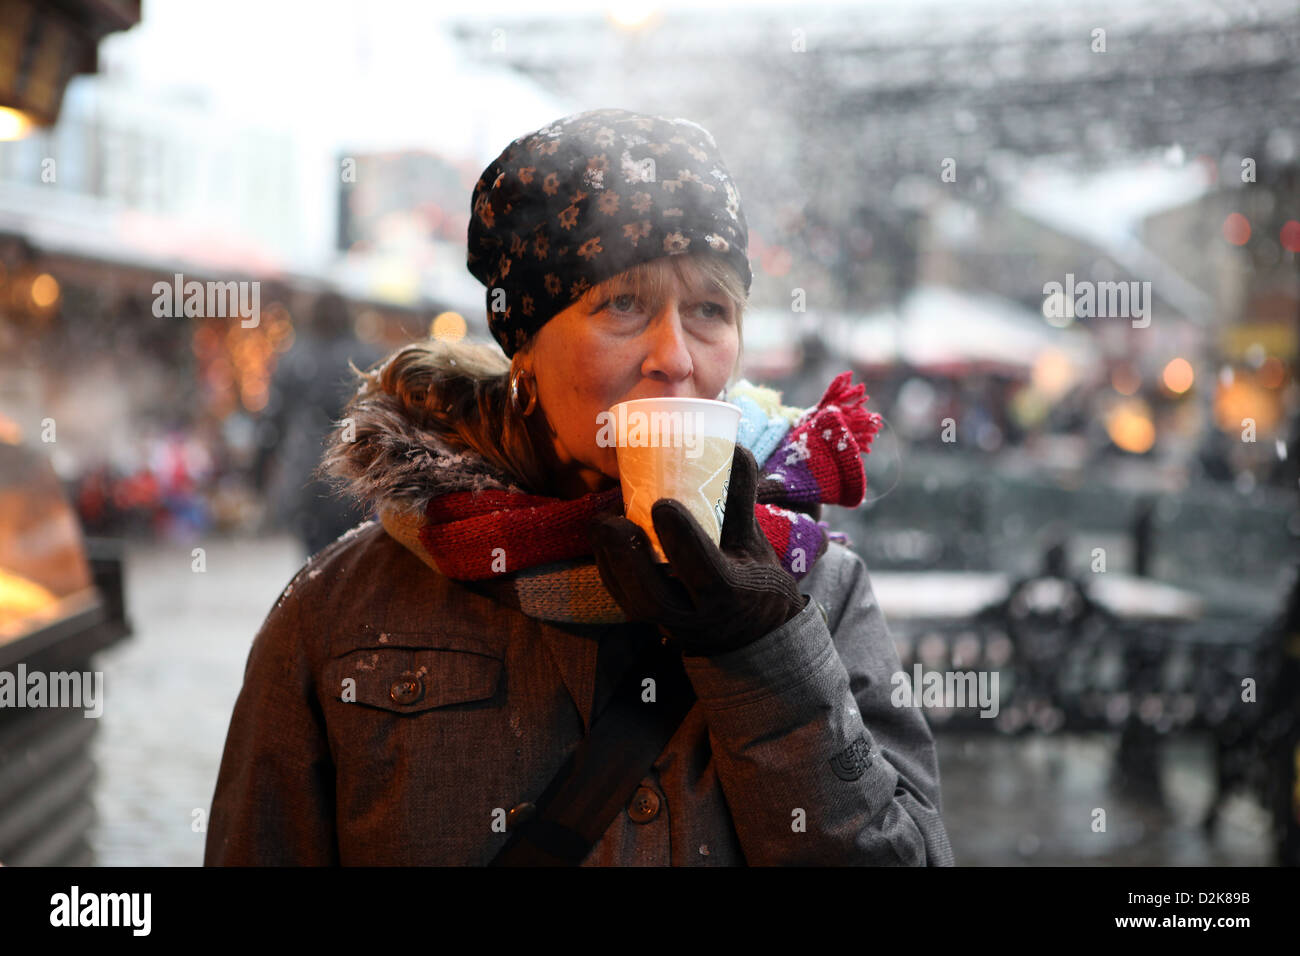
x=288, y=173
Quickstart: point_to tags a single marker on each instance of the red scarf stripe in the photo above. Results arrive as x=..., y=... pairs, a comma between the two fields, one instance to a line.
x=471, y=504
x=554, y=530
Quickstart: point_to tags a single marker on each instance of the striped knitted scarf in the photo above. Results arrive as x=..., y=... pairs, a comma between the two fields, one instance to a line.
x=531, y=553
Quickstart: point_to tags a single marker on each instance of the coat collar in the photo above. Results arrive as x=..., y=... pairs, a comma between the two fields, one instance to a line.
x=591, y=659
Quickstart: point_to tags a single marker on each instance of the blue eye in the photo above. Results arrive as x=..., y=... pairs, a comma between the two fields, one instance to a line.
x=631, y=300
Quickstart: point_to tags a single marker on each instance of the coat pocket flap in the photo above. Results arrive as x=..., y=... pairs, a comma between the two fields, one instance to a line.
x=405, y=680
x=450, y=639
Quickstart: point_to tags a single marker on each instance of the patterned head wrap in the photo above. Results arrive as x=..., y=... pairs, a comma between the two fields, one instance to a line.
x=587, y=197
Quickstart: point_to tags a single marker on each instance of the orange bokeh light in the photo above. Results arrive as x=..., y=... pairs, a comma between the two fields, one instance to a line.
x=1130, y=427
x=1178, y=376
x=1242, y=400
x=448, y=327
x=44, y=291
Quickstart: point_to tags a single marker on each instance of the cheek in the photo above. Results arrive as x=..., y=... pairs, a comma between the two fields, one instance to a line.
x=608, y=377
x=582, y=381
x=601, y=373
x=719, y=359
x=593, y=390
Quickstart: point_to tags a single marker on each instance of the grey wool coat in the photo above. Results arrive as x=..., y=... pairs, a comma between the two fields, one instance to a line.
x=792, y=754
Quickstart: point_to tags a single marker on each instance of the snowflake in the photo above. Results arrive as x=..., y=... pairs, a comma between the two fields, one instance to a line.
x=353, y=532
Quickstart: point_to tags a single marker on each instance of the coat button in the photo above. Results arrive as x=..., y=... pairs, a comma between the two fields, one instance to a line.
x=406, y=690
x=520, y=814
x=644, y=806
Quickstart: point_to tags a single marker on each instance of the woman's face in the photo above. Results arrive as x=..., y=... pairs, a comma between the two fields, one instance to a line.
x=608, y=348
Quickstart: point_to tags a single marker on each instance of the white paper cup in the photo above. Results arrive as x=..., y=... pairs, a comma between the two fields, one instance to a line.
x=679, y=448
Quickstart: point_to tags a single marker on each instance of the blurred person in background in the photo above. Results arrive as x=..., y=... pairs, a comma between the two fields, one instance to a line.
x=308, y=390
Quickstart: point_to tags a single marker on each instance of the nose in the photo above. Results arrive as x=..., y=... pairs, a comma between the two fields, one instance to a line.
x=668, y=360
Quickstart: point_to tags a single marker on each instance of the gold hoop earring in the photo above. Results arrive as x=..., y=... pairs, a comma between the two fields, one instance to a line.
x=514, y=395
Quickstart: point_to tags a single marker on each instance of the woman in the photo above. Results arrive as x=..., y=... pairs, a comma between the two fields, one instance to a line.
x=425, y=687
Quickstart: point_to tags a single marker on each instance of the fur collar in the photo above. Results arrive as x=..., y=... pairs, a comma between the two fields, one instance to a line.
x=396, y=463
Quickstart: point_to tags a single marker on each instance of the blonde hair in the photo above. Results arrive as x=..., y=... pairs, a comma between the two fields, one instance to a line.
x=460, y=391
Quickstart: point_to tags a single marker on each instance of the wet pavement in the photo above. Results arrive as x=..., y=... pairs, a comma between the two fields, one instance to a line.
x=1033, y=801
x=170, y=690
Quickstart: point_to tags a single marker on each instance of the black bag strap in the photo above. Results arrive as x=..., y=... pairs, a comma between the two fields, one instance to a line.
x=600, y=777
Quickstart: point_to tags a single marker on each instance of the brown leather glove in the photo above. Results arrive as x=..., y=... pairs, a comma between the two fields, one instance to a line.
x=708, y=599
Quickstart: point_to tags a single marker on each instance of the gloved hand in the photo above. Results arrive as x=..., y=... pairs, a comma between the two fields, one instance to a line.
x=708, y=599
